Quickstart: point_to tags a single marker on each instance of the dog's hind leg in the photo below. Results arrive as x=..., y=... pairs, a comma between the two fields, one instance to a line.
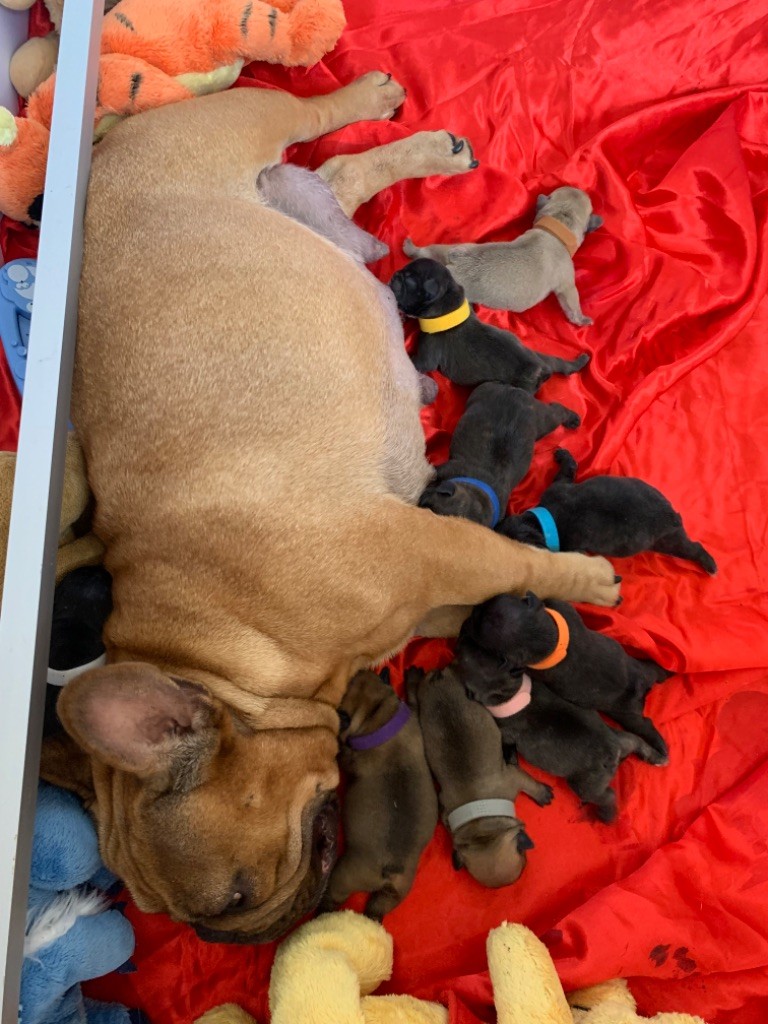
x=306, y=197
x=564, y=366
x=356, y=178
x=568, y=297
x=632, y=743
x=678, y=544
x=593, y=787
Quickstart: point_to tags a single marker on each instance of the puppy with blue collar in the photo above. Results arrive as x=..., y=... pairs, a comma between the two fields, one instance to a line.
x=477, y=788
x=389, y=811
x=606, y=515
x=491, y=451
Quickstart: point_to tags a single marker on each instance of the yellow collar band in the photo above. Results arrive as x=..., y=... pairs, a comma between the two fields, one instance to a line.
x=438, y=324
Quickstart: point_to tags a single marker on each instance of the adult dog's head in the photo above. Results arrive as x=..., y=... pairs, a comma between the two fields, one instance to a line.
x=203, y=815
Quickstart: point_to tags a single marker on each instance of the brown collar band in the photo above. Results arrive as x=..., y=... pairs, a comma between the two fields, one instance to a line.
x=559, y=231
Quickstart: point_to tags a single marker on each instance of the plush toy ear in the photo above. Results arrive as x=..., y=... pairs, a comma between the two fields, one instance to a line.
x=594, y=223
x=133, y=717
x=540, y=201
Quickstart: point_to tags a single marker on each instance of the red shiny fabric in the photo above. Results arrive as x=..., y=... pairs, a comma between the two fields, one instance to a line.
x=660, y=111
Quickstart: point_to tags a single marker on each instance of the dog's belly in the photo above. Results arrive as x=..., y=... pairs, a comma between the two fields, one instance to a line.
x=228, y=354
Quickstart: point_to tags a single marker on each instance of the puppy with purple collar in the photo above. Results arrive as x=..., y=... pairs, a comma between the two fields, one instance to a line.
x=491, y=451
x=389, y=812
x=477, y=788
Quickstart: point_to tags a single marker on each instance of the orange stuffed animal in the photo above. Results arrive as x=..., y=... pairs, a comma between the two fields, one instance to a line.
x=155, y=53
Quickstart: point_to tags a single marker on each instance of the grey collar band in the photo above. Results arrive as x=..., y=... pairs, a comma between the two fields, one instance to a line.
x=480, y=809
x=60, y=677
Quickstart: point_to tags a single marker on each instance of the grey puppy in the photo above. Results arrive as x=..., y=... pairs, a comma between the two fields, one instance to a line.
x=518, y=275
x=551, y=733
x=477, y=788
x=606, y=515
x=390, y=806
x=491, y=451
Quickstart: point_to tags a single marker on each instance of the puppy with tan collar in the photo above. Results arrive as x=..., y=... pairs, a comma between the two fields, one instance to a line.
x=390, y=808
x=518, y=275
x=477, y=789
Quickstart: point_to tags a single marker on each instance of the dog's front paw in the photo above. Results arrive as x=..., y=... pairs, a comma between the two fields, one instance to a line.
x=442, y=153
x=594, y=581
x=583, y=321
x=377, y=96
x=409, y=248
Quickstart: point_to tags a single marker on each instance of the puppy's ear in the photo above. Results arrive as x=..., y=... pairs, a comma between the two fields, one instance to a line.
x=524, y=841
x=446, y=489
x=594, y=223
x=385, y=675
x=530, y=598
x=540, y=201
x=456, y=860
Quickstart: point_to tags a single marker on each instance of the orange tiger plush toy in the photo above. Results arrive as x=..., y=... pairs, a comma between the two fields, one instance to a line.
x=155, y=53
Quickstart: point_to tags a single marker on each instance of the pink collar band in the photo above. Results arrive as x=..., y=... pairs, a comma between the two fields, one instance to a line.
x=515, y=704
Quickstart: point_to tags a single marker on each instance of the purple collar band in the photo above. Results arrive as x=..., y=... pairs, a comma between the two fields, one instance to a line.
x=386, y=732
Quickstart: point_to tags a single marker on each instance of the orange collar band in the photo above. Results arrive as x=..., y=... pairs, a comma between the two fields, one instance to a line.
x=561, y=647
x=438, y=324
x=559, y=231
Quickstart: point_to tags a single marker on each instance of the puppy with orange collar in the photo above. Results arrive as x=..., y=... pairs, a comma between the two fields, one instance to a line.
x=549, y=640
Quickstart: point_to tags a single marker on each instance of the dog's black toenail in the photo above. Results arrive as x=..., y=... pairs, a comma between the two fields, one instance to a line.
x=387, y=79
x=473, y=164
x=458, y=146
x=617, y=579
x=618, y=602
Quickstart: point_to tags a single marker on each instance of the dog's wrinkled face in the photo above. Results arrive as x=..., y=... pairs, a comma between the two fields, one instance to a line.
x=419, y=285
x=519, y=528
x=493, y=850
x=504, y=626
x=205, y=818
x=456, y=499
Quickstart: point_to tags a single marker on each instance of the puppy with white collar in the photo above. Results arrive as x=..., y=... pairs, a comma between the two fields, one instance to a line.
x=518, y=275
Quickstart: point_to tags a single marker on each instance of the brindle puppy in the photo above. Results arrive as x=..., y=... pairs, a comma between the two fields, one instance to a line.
x=390, y=807
x=471, y=351
x=464, y=752
x=491, y=451
x=607, y=515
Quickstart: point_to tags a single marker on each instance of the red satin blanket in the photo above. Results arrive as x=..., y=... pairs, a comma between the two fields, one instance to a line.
x=660, y=111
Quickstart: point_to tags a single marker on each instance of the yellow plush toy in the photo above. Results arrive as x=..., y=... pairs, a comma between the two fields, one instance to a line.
x=326, y=971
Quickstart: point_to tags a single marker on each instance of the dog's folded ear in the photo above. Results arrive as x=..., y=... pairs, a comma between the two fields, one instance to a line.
x=540, y=201
x=136, y=719
x=594, y=223
x=386, y=675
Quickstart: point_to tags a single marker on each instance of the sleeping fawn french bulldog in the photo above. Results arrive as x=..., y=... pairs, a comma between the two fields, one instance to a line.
x=260, y=522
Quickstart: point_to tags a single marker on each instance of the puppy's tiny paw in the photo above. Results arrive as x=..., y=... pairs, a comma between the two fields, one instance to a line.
x=585, y=321
x=409, y=248
x=544, y=796
x=572, y=422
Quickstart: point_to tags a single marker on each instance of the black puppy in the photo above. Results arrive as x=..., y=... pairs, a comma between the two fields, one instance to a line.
x=491, y=451
x=548, y=640
x=605, y=515
x=549, y=732
x=82, y=602
x=455, y=342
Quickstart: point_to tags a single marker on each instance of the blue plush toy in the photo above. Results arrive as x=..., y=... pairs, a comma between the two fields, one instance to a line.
x=71, y=935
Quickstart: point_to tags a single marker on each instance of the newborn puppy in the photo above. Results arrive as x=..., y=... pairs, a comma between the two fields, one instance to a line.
x=477, y=789
x=549, y=732
x=517, y=275
x=390, y=808
x=548, y=640
x=605, y=515
x=463, y=348
x=491, y=451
